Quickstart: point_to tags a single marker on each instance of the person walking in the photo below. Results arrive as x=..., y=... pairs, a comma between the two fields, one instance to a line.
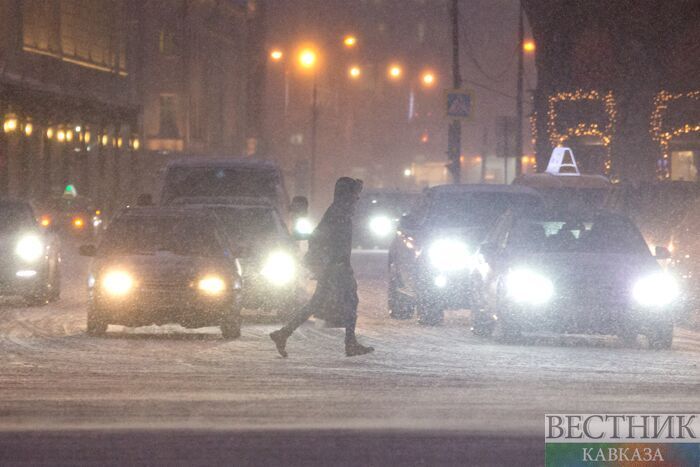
x=328, y=259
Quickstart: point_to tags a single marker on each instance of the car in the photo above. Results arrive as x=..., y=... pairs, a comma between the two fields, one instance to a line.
x=196, y=178
x=159, y=265
x=71, y=215
x=377, y=216
x=581, y=273
x=32, y=256
x=432, y=252
x=268, y=254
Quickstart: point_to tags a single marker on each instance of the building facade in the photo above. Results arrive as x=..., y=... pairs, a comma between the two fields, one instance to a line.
x=619, y=82
x=99, y=94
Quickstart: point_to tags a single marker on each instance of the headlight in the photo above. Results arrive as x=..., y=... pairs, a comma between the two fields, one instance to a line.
x=211, y=285
x=303, y=226
x=450, y=255
x=381, y=226
x=656, y=289
x=117, y=283
x=30, y=248
x=525, y=286
x=280, y=268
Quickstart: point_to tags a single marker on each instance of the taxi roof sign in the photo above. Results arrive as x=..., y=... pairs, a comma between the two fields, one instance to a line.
x=560, y=164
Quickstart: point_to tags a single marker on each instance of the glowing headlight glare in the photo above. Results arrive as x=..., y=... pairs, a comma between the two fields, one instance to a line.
x=450, y=255
x=279, y=268
x=657, y=289
x=211, y=285
x=30, y=248
x=303, y=226
x=117, y=283
x=525, y=286
x=381, y=226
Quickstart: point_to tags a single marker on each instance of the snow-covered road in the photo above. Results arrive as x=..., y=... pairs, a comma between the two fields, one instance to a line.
x=55, y=377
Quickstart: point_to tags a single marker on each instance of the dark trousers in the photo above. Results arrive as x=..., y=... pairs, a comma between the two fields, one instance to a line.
x=336, y=288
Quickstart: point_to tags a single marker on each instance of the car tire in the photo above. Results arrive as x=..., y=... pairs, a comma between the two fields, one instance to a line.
x=430, y=314
x=505, y=332
x=231, y=325
x=400, y=306
x=96, y=324
x=661, y=337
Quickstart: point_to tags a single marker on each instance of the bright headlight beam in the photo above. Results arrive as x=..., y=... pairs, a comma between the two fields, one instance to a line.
x=211, y=285
x=529, y=287
x=303, y=226
x=654, y=290
x=381, y=226
x=279, y=268
x=30, y=248
x=450, y=255
x=117, y=283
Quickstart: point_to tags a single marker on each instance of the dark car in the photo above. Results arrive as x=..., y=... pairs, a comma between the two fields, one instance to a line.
x=431, y=256
x=377, y=216
x=268, y=254
x=30, y=265
x=572, y=273
x=164, y=265
x=71, y=215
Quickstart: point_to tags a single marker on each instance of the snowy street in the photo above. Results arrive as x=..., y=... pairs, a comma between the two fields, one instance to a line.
x=169, y=393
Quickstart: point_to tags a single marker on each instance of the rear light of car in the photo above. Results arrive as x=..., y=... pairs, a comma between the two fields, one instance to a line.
x=45, y=221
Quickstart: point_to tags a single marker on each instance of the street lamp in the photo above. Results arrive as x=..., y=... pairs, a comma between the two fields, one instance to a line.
x=276, y=55
x=529, y=46
x=395, y=72
x=307, y=59
x=428, y=79
x=354, y=72
x=350, y=41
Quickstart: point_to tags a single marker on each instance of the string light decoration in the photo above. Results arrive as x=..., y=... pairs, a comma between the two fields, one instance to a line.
x=663, y=135
x=605, y=134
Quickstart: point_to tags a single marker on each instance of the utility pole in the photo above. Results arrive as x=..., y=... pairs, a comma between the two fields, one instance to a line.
x=519, y=95
x=454, y=132
x=314, y=129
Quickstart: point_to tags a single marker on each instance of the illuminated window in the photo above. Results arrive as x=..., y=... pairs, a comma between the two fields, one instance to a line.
x=168, y=117
x=683, y=166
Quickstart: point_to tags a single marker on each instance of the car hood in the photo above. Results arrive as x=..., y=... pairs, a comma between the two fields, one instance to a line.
x=164, y=266
x=589, y=268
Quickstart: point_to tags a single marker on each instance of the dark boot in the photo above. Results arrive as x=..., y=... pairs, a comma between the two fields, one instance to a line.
x=280, y=340
x=353, y=349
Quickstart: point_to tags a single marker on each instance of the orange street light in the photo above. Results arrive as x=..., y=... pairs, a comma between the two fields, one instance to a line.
x=529, y=46
x=350, y=41
x=395, y=72
x=276, y=55
x=354, y=72
x=307, y=58
x=428, y=79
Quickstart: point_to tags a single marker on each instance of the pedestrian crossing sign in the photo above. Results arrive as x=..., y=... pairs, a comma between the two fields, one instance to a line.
x=458, y=103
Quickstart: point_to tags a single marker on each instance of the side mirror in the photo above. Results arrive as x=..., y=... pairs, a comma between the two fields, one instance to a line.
x=299, y=206
x=407, y=222
x=661, y=252
x=88, y=250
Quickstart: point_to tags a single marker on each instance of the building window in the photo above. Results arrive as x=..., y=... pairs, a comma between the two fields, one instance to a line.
x=166, y=42
x=168, y=117
x=683, y=166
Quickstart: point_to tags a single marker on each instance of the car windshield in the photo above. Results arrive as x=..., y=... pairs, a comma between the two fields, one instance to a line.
x=222, y=182
x=477, y=209
x=389, y=203
x=15, y=216
x=69, y=204
x=245, y=225
x=186, y=236
x=606, y=234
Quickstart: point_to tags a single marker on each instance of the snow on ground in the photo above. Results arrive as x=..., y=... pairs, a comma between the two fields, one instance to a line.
x=54, y=376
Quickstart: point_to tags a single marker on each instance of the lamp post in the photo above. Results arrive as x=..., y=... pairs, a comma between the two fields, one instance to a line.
x=308, y=60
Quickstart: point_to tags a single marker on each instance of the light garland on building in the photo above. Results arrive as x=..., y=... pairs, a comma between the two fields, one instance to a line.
x=583, y=129
x=663, y=135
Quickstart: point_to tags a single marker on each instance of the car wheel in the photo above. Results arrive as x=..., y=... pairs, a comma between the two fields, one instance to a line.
x=39, y=297
x=430, y=314
x=231, y=325
x=661, y=337
x=400, y=306
x=505, y=332
x=96, y=324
